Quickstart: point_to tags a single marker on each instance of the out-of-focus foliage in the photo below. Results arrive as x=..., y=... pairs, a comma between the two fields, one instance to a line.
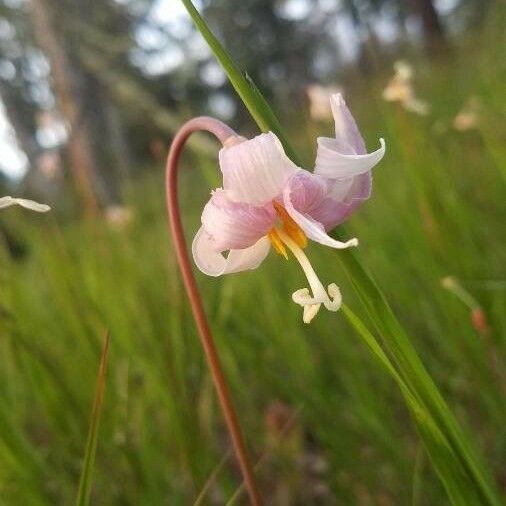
x=140, y=61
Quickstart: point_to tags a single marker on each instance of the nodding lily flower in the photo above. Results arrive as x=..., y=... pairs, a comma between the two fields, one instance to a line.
x=266, y=200
x=28, y=204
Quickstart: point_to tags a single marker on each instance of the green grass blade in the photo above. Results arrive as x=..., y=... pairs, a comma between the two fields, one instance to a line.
x=417, y=486
x=84, y=491
x=414, y=373
x=449, y=468
x=201, y=498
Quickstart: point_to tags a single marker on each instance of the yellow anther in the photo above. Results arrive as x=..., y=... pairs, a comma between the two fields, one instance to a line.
x=290, y=228
x=277, y=243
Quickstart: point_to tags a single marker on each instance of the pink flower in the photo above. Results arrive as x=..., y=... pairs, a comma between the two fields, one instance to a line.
x=267, y=200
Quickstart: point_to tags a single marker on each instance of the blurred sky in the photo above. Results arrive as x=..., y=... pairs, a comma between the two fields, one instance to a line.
x=13, y=161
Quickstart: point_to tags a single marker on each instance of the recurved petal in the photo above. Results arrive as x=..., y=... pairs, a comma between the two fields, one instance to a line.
x=354, y=189
x=331, y=213
x=313, y=229
x=347, y=132
x=235, y=225
x=28, y=204
x=343, y=198
x=331, y=162
x=255, y=171
x=212, y=263
x=306, y=190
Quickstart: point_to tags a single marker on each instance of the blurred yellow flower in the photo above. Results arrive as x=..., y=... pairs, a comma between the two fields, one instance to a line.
x=400, y=89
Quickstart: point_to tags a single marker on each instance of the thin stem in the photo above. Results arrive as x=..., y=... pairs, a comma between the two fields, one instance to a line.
x=267, y=453
x=212, y=478
x=222, y=132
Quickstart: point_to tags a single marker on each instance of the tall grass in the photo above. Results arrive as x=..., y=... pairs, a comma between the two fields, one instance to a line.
x=437, y=209
x=83, y=497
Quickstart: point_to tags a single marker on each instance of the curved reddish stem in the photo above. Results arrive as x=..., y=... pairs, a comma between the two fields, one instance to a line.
x=222, y=132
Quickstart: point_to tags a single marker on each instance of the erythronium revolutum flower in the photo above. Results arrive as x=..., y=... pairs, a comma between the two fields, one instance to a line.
x=267, y=200
x=28, y=204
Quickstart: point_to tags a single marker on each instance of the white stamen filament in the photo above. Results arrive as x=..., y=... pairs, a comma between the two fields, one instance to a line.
x=330, y=298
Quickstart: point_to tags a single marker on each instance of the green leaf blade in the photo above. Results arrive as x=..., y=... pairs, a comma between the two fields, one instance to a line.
x=85, y=481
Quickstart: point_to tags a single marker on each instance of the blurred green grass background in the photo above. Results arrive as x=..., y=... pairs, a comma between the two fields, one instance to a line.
x=437, y=209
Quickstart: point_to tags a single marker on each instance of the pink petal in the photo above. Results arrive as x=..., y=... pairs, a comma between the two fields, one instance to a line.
x=358, y=191
x=300, y=199
x=306, y=190
x=329, y=202
x=343, y=197
x=345, y=155
x=330, y=213
x=347, y=132
x=215, y=264
x=334, y=210
x=331, y=162
x=255, y=171
x=235, y=225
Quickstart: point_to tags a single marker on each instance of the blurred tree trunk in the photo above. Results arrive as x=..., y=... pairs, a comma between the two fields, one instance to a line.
x=432, y=25
x=80, y=148
x=119, y=144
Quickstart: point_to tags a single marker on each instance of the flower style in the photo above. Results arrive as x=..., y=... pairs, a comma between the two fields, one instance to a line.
x=267, y=200
x=28, y=204
x=400, y=89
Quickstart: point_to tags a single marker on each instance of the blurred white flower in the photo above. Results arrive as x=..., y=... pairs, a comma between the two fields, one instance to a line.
x=400, y=89
x=319, y=97
x=117, y=216
x=468, y=117
x=28, y=204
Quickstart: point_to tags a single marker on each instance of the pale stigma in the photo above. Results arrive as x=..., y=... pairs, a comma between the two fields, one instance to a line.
x=311, y=302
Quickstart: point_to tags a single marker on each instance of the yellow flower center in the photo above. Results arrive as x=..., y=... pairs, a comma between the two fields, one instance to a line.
x=289, y=227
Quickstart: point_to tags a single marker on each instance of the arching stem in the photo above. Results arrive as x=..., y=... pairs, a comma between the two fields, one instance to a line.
x=222, y=132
